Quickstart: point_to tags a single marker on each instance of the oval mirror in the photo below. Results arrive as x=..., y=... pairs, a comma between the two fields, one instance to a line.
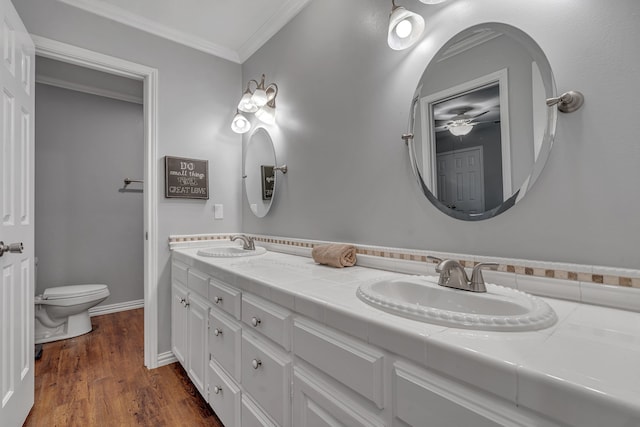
x=259, y=173
x=481, y=128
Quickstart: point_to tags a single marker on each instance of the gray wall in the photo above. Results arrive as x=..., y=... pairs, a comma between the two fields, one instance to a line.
x=344, y=101
x=86, y=230
x=197, y=93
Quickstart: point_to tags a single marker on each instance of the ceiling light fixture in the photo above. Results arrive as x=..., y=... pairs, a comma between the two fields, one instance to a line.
x=460, y=127
x=261, y=101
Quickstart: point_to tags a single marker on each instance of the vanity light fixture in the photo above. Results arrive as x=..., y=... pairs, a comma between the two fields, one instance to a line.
x=267, y=113
x=261, y=102
x=405, y=27
x=240, y=124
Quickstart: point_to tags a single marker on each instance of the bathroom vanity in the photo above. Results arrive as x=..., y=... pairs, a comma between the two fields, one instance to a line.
x=277, y=340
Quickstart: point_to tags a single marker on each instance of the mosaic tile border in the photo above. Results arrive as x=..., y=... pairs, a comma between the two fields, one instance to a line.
x=575, y=272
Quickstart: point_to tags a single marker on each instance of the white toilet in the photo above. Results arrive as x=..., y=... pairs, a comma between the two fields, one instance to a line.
x=63, y=312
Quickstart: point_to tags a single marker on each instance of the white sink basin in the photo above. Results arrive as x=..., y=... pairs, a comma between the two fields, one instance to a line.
x=230, y=251
x=421, y=298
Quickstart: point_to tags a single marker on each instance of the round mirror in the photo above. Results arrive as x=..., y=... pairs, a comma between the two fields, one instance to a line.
x=259, y=173
x=481, y=128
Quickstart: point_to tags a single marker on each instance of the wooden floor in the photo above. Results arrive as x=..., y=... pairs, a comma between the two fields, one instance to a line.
x=99, y=379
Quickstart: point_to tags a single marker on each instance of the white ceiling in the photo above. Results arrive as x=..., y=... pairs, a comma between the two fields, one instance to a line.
x=231, y=29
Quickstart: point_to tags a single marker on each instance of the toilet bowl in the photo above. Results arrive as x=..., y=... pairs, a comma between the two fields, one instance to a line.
x=63, y=312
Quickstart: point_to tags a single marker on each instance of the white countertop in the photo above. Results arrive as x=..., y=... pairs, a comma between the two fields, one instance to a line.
x=584, y=370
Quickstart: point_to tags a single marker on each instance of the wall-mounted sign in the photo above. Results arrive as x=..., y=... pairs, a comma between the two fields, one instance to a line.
x=268, y=181
x=186, y=178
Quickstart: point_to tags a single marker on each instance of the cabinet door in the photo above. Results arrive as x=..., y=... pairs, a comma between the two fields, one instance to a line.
x=179, y=323
x=198, y=354
x=317, y=403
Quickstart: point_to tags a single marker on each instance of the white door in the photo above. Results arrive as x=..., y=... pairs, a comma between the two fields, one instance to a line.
x=461, y=180
x=16, y=208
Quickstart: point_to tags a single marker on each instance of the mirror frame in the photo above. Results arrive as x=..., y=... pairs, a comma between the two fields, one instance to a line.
x=515, y=194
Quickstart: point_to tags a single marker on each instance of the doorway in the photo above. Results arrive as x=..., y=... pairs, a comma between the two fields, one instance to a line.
x=149, y=76
x=88, y=222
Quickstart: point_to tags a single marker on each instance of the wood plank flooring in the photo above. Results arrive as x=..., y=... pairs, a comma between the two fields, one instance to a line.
x=99, y=379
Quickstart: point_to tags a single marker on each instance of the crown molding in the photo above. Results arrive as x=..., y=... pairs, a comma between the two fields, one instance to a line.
x=119, y=15
x=279, y=19
x=276, y=22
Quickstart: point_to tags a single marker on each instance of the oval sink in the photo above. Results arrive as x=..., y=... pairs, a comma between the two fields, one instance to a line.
x=230, y=251
x=421, y=298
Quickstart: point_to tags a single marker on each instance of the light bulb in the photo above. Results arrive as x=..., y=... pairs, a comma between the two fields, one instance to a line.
x=403, y=29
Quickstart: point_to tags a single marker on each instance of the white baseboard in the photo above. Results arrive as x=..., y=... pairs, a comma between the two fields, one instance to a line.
x=166, y=358
x=115, y=308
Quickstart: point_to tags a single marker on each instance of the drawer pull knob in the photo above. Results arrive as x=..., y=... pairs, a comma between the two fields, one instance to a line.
x=217, y=332
x=255, y=321
x=256, y=363
x=217, y=389
x=217, y=300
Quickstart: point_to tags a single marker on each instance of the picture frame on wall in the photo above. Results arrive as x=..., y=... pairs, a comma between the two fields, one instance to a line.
x=186, y=178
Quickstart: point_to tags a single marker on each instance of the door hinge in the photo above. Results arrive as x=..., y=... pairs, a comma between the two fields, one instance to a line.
x=146, y=235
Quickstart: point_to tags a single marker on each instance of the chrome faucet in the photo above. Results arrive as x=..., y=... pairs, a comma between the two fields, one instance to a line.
x=247, y=242
x=453, y=275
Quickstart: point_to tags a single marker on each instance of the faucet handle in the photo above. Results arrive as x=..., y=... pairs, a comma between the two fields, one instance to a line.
x=434, y=258
x=477, y=280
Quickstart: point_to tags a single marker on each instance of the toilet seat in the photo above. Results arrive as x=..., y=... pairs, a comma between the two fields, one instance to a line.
x=73, y=291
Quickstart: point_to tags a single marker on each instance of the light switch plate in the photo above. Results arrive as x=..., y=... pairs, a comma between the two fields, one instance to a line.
x=218, y=211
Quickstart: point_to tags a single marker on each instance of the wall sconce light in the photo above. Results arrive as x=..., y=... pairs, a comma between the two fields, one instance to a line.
x=261, y=102
x=405, y=27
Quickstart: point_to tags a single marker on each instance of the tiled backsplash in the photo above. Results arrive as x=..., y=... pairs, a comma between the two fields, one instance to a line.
x=591, y=284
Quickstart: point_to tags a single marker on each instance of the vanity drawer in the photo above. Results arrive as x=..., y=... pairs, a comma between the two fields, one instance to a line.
x=179, y=272
x=352, y=362
x=225, y=297
x=225, y=339
x=266, y=376
x=197, y=282
x=253, y=416
x=224, y=395
x=272, y=321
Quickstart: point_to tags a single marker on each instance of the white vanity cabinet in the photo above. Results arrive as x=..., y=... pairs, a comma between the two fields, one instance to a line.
x=261, y=365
